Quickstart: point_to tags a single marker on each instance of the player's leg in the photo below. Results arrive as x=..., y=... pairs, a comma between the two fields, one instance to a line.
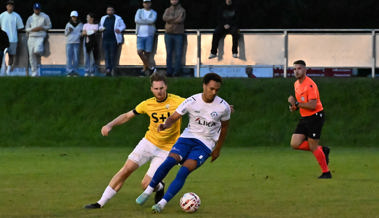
x=299, y=142
x=319, y=154
x=159, y=175
x=159, y=157
x=178, y=152
x=115, y=184
x=197, y=156
x=315, y=125
x=299, y=138
x=137, y=158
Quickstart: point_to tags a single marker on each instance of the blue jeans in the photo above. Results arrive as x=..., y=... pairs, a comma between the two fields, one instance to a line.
x=174, y=42
x=110, y=49
x=89, y=60
x=72, y=57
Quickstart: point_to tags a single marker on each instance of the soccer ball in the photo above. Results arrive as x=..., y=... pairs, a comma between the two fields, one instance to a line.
x=190, y=202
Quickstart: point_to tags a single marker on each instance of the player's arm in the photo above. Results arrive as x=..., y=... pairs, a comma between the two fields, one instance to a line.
x=171, y=120
x=123, y=118
x=294, y=105
x=292, y=100
x=310, y=105
x=221, y=139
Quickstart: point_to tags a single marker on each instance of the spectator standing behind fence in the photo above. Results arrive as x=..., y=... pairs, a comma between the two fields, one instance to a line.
x=145, y=29
x=112, y=26
x=73, y=32
x=37, y=26
x=228, y=19
x=174, y=16
x=11, y=23
x=4, y=43
x=90, y=45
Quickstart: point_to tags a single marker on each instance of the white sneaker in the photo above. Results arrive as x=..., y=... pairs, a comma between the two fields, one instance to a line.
x=86, y=74
x=212, y=56
x=34, y=74
x=235, y=55
x=92, y=74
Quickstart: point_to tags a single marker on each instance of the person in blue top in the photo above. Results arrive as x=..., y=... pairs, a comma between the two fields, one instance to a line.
x=111, y=25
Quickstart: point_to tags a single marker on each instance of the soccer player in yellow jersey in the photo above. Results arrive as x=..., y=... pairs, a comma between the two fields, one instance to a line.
x=154, y=147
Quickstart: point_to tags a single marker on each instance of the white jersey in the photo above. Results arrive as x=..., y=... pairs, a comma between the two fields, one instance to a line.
x=204, y=118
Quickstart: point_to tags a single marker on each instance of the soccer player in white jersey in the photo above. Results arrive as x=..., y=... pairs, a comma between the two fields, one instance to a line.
x=208, y=123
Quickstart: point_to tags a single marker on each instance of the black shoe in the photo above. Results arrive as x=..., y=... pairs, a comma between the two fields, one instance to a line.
x=159, y=194
x=93, y=206
x=326, y=175
x=326, y=151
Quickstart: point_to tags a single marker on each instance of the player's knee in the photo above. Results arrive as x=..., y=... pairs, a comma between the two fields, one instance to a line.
x=175, y=156
x=294, y=144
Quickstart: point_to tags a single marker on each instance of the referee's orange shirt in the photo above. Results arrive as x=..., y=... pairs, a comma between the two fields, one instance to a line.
x=306, y=91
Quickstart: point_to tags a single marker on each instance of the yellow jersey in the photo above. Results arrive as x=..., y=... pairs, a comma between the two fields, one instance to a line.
x=158, y=113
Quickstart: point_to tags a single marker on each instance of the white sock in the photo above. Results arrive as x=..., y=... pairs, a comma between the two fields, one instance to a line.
x=159, y=187
x=162, y=203
x=149, y=190
x=107, y=195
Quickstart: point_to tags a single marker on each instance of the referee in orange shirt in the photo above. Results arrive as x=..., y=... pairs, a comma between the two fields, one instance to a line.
x=308, y=131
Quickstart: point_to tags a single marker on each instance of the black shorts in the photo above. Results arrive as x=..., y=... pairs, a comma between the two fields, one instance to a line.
x=311, y=126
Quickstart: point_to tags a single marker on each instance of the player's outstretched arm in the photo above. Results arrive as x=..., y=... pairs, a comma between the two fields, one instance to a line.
x=123, y=118
x=221, y=139
x=171, y=120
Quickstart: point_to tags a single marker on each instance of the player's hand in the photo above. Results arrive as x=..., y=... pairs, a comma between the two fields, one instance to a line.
x=291, y=100
x=161, y=127
x=105, y=130
x=117, y=31
x=226, y=26
x=215, y=154
x=292, y=108
x=231, y=108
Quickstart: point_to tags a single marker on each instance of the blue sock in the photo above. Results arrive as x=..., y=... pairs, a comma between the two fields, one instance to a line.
x=162, y=171
x=177, y=184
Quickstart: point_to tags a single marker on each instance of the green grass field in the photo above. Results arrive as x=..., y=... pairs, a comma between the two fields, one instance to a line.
x=53, y=159
x=244, y=182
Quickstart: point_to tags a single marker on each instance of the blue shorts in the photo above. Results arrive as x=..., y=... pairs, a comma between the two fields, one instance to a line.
x=191, y=148
x=145, y=43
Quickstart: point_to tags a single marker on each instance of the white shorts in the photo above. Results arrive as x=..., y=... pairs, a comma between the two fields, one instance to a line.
x=145, y=151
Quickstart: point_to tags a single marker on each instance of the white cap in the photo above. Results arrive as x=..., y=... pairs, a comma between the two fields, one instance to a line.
x=146, y=0
x=74, y=14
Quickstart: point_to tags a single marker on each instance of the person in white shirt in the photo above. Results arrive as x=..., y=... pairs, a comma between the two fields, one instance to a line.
x=11, y=23
x=36, y=26
x=208, y=124
x=73, y=33
x=145, y=29
x=90, y=45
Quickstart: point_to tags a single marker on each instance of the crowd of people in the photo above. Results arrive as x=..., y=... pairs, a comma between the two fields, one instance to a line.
x=110, y=29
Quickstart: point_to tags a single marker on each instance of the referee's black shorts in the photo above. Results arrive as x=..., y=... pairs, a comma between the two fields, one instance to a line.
x=311, y=126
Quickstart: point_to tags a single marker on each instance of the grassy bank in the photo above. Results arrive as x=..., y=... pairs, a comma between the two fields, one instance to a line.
x=71, y=111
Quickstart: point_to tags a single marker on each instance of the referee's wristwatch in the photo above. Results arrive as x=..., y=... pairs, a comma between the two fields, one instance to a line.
x=297, y=105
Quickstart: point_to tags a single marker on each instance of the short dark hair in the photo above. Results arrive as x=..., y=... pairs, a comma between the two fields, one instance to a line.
x=158, y=77
x=212, y=76
x=300, y=62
